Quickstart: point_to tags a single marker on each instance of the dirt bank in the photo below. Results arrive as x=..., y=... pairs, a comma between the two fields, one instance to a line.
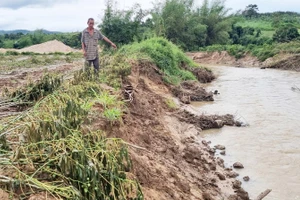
x=169, y=160
x=280, y=61
x=285, y=62
x=223, y=58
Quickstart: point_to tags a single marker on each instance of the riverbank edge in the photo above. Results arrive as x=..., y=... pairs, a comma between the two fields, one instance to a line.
x=282, y=61
x=173, y=163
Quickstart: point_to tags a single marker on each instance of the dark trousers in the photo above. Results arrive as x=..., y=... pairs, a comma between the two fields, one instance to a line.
x=95, y=62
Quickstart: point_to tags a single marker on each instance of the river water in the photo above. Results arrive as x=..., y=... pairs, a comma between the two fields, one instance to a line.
x=269, y=147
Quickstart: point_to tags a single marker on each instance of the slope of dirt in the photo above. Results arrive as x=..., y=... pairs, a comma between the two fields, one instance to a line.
x=285, y=62
x=223, y=58
x=168, y=159
x=49, y=47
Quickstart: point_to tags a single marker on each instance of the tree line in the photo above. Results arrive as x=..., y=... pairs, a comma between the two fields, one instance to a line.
x=21, y=40
x=186, y=24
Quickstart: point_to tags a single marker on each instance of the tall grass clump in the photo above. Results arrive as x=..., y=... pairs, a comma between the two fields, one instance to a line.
x=164, y=54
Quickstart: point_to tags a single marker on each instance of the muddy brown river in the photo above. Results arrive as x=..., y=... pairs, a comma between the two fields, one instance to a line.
x=269, y=147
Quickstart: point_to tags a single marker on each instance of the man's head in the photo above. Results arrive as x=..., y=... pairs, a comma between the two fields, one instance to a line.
x=90, y=22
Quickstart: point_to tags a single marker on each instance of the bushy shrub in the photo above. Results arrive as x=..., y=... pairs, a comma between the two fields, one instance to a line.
x=167, y=56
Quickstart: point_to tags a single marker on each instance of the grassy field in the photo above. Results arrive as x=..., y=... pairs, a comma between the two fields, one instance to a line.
x=257, y=24
x=267, y=33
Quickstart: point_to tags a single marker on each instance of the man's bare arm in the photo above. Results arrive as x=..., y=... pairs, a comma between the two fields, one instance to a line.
x=83, y=49
x=110, y=42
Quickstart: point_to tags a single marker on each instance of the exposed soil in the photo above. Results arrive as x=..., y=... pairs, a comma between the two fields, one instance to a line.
x=189, y=91
x=286, y=62
x=280, y=61
x=223, y=58
x=18, y=78
x=169, y=159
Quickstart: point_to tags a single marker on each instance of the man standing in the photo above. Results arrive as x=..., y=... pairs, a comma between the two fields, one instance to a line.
x=89, y=40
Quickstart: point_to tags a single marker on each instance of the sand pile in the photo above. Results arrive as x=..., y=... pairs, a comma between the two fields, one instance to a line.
x=49, y=47
x=2, y=50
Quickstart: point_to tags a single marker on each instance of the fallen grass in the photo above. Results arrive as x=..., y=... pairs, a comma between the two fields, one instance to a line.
x=10, y=61
x=64, y=160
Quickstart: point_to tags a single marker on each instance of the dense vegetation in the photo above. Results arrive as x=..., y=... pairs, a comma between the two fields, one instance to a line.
x=188, y=26
x=21, y=40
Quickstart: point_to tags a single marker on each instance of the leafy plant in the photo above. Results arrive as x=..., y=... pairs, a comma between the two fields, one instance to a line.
x=170, y=103
x=112, y=114
x=167, y=56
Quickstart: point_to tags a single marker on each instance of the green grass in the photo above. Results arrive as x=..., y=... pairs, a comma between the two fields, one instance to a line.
x=267, y=33
x=164, y=54
x=170, y=103
x=262, y=52
x=257, y=24
x=113, y=114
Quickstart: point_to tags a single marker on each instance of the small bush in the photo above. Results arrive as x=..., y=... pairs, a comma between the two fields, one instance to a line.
x=113, y=114
x=12, y=53
x=27, y=53
x=170, y=103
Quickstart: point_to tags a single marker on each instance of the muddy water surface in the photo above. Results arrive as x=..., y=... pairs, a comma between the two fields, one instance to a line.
x=269, y=147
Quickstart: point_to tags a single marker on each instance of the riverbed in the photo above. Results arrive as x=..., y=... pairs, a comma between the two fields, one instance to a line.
x=269, y=147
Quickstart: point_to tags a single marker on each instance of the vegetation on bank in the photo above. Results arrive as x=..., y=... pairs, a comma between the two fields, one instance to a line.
x=262, y=52
x=165, y=55
x=51, y=147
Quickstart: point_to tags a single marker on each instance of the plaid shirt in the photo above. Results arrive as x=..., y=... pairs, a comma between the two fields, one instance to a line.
x=91, y=43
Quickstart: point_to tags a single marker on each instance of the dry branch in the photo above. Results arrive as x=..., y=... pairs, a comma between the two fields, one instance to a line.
x=263, y=194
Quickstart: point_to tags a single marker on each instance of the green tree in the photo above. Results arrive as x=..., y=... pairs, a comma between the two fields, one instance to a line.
x=286, y=33
x=214, y=15
x=123, y=27
x=251, y=11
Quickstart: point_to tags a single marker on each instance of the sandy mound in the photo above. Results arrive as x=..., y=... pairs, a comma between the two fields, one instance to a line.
x=2, y=50
x=49, y=47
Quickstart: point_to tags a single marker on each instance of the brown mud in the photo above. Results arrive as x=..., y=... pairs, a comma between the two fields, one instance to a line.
x=223, y=58
x=169, y=159
x=287, y=62
x=280, y=61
